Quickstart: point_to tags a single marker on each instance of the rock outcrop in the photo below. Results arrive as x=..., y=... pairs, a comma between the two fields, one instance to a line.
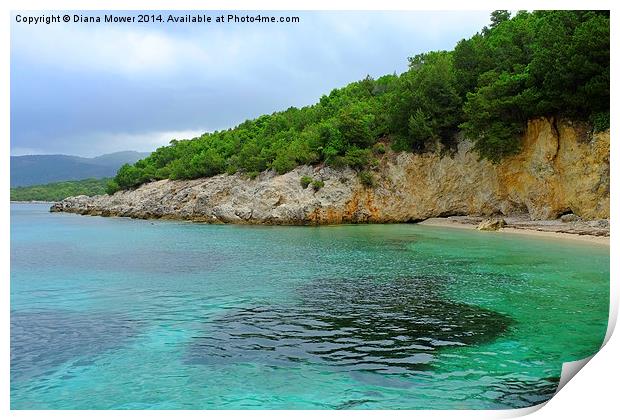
x=561, y=169
x=492, y=224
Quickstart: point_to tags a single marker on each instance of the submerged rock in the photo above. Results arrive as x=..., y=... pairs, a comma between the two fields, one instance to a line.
x=561, y=166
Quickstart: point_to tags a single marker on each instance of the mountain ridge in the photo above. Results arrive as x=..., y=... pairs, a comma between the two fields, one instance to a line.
x=28, y=170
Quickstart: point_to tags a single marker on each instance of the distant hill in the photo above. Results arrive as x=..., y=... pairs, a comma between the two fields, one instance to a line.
x=43, y=169
x=57, y=191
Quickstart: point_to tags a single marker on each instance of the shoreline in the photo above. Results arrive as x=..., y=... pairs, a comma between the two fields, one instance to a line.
x=514, y=225
x=466, y=223
x=32, y=202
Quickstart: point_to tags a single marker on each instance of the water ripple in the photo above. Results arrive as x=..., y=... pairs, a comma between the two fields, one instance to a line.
x=43, y=340
x=391, y=327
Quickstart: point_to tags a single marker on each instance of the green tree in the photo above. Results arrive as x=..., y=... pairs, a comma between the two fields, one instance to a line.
x=419, y=130
x=428, y=99
x=499, y=16
x=111, y=187
x=355, y=124
x=128, y=176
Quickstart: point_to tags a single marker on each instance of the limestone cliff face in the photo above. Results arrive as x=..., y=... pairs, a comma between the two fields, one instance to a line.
x=561, y=168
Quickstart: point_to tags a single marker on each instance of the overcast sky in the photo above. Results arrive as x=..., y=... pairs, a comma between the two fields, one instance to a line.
x=88, y=89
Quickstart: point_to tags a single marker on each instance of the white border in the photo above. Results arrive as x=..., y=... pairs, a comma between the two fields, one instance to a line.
x=592, y=393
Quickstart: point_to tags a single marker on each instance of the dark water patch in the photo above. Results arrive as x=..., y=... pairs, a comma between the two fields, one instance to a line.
x=520, y=393
x=41, y=341
x=353, y=325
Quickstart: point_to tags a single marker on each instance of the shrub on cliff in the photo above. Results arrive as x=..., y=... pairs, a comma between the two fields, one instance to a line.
x=317, y=185
x=367, y=179
x=129, y=176
x=379, y=148
x=304, y=181
x=600, y=121
x=357, y=158
x=111, y=187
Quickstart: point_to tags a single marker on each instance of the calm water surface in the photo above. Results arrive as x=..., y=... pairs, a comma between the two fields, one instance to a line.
x=113, y=313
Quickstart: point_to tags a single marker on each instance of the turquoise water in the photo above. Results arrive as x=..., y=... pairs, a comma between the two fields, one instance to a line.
x=114, y=313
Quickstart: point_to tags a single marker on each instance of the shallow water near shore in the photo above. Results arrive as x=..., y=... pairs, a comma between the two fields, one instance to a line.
x=114, y=313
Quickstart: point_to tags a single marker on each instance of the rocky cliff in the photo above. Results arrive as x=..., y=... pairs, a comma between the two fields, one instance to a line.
x=561, y=168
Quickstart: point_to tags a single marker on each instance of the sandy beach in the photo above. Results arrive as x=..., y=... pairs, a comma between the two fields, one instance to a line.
x=553, y=229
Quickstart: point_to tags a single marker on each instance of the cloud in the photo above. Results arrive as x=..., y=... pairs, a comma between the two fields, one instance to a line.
x=98, y=143
x=18, y=151
x=108, y=49
x=90, y=89
x=147, y=141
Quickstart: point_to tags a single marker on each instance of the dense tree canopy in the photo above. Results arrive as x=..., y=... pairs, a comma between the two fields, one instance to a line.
x=544, y=63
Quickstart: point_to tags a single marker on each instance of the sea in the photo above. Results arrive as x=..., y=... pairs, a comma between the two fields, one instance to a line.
x=117, y=313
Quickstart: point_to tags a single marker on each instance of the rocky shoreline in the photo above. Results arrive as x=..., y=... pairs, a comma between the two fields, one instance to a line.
x=561, y=170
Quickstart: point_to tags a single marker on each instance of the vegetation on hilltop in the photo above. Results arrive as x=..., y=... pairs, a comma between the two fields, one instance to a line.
x=544, y=63
x=57, y=191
